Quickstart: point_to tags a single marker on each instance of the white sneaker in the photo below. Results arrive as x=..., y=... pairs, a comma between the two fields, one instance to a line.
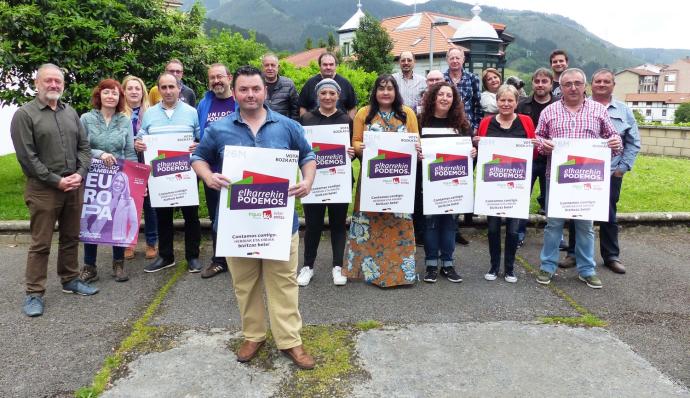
x=511, y=278
x=305, y=275
x=489, y=276
x=338, y=278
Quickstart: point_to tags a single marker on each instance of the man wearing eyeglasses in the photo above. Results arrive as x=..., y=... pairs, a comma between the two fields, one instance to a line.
x=574, y=116
x=217, y=103
x=175, y=68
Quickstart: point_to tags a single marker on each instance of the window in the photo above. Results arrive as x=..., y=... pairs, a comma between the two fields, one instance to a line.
x=663, y=112
x=649, y=103
x=346, y=49
x=648, y=112
x=671, y=77
x=669, y=88
x=634, y=103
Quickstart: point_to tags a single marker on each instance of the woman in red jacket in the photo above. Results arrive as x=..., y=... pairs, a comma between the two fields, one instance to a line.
x=505, y=124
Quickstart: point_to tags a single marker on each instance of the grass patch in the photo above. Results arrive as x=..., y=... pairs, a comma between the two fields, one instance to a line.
x=363, y=326
x=657, y=183
x=586, y=318
x=141, y=335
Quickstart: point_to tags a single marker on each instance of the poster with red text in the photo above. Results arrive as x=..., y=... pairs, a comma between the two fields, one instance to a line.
x=113, y=199
x=333, y=179
x=172, y=183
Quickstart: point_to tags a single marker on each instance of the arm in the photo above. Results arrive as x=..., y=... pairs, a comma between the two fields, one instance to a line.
x=477, y=112
x=358, y=127
x=83, y=154
x=631, y=143
x=21, y=130
x=294, y=103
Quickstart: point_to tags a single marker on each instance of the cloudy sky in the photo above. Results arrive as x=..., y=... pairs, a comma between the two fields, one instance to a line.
x=624, y=23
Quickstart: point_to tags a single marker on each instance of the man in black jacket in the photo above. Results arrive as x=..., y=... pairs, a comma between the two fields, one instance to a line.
x=282, y=95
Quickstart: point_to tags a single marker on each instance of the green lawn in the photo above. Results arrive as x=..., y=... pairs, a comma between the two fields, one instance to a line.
x=655, y=184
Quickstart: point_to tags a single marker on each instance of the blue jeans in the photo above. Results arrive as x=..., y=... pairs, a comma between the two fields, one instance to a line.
x=91, y=251
x=494, y=225
x=150, y=223
x=439, y=235
x=584, y=246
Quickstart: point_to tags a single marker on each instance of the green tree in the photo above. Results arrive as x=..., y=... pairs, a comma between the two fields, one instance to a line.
x=233, y=50
x=372, y=46
x=95, y=39
x=331, y=42
x=308, y=44
x=682, y=113
x=638, y=117
x=321, y=43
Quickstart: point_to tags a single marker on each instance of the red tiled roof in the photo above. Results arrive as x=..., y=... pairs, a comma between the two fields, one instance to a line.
x=669, y=98
x=303, y=59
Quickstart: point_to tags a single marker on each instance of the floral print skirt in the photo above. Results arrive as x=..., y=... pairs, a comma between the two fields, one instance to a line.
x=381, y=249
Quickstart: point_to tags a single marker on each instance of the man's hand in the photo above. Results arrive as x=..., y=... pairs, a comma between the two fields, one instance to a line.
x=139, y=146
x=216, y=181
x=301, y=189
x=615, y=142
x=193, y=147
x=473, y=153
x=70, y=183
x=618, y=173
x=546, y=146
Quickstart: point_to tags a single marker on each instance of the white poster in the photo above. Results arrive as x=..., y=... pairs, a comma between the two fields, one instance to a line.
x=172, y=182
x=388, y=172
x=333, y=180
x=504, y=174
x=580, y=179
x=255, y=212
x=447, y=175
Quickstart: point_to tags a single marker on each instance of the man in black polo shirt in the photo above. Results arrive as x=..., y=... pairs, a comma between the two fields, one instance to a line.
x=307, y=97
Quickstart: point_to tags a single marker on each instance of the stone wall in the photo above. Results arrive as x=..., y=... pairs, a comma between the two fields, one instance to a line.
x=662, y=140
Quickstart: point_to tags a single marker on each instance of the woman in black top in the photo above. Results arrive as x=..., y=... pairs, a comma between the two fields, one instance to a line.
x=443, y=109
x=327, y=92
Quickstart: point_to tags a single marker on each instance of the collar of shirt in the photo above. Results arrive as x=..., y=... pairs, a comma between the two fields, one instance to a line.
x=42, y=105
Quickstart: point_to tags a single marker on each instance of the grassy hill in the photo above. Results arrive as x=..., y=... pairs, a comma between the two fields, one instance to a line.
x=287, y=24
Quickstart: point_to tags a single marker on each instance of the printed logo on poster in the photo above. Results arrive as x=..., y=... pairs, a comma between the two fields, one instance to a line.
x=258, y=191
x=329, y=155
x=448, y=167
x=170, y=163
x=504, y=168
x=581, y=169
x=390, y=164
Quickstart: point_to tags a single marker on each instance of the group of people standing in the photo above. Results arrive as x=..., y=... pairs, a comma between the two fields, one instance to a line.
x=260, y=108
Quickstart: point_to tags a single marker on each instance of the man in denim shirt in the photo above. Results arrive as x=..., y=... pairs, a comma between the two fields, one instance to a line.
x=257, y=126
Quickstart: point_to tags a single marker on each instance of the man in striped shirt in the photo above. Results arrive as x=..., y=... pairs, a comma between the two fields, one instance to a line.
x=574, y=116
x=172, y=116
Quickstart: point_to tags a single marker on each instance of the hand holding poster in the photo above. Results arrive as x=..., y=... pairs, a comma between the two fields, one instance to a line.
x=255, y=213
x=580, y=179
x=333, y=180
x=388, y=172
x=173, y=183
x=504, y=174
x=447, y=175
x=113, y=199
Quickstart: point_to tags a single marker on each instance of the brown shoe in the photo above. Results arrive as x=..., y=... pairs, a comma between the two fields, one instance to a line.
x=213, y=269
x=567, y=262
x=119, y=271
x=88, y=274
x=129, y=253
x=248, y=350
x=151, y=251
x=615, y=266
x=299, y=357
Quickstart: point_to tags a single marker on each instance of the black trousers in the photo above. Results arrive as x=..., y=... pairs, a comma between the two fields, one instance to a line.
x=166, y=232
x=313, y=218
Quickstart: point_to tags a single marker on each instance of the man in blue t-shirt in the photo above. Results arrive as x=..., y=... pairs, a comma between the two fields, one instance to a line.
x=217, y=103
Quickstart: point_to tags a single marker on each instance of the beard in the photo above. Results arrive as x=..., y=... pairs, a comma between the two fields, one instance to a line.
x=53, y=95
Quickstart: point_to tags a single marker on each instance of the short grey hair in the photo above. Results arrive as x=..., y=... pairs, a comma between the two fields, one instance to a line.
x=178, y=81
x=268, y=55
x=571, y=71
x=508, y=88
x=48, y=65
x=602, y=71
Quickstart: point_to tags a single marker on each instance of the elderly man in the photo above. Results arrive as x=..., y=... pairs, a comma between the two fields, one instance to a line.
x=307, y=97
x=559, y=63
x=603, y=82
x=255, y=125
x=411, y=85
x=281, y=93
x=175, y=68
x=217, y=103
x=574, y=116
x=467, y=84
x=53, y=150
x=171, y=116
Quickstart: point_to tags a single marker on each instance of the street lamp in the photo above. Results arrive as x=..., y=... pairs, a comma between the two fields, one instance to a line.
x=431, y=41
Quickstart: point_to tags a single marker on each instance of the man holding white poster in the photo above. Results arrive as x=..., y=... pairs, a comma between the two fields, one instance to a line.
x=176, y=123
x=575, y=117
x=254, y=125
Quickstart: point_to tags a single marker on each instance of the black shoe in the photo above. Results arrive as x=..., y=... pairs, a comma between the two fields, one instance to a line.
x=194, y=265
x=563, y=246
x=159, y=264
x=449, y=272
x=520, y=243
x=431, y=274
x=460, y=240
x=419, y=241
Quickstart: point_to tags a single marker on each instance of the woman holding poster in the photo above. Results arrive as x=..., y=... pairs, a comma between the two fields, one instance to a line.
x=137, y=102
x=110, y=136
x=443, y=110
x=381, y=245
x=327, y=94
x=506, y=124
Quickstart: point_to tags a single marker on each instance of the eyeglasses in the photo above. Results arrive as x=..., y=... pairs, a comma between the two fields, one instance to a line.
x=573, y=84
x=174, y=71
x=216, y=77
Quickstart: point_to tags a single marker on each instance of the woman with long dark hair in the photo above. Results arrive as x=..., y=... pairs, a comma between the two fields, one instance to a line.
x=443, y=109
x=381, y=246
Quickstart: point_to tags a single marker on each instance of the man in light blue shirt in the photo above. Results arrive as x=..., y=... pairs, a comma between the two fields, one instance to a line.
x=172, y=116
x=255, y=125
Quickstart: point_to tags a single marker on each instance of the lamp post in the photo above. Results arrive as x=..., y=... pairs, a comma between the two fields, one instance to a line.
x=431, y=41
